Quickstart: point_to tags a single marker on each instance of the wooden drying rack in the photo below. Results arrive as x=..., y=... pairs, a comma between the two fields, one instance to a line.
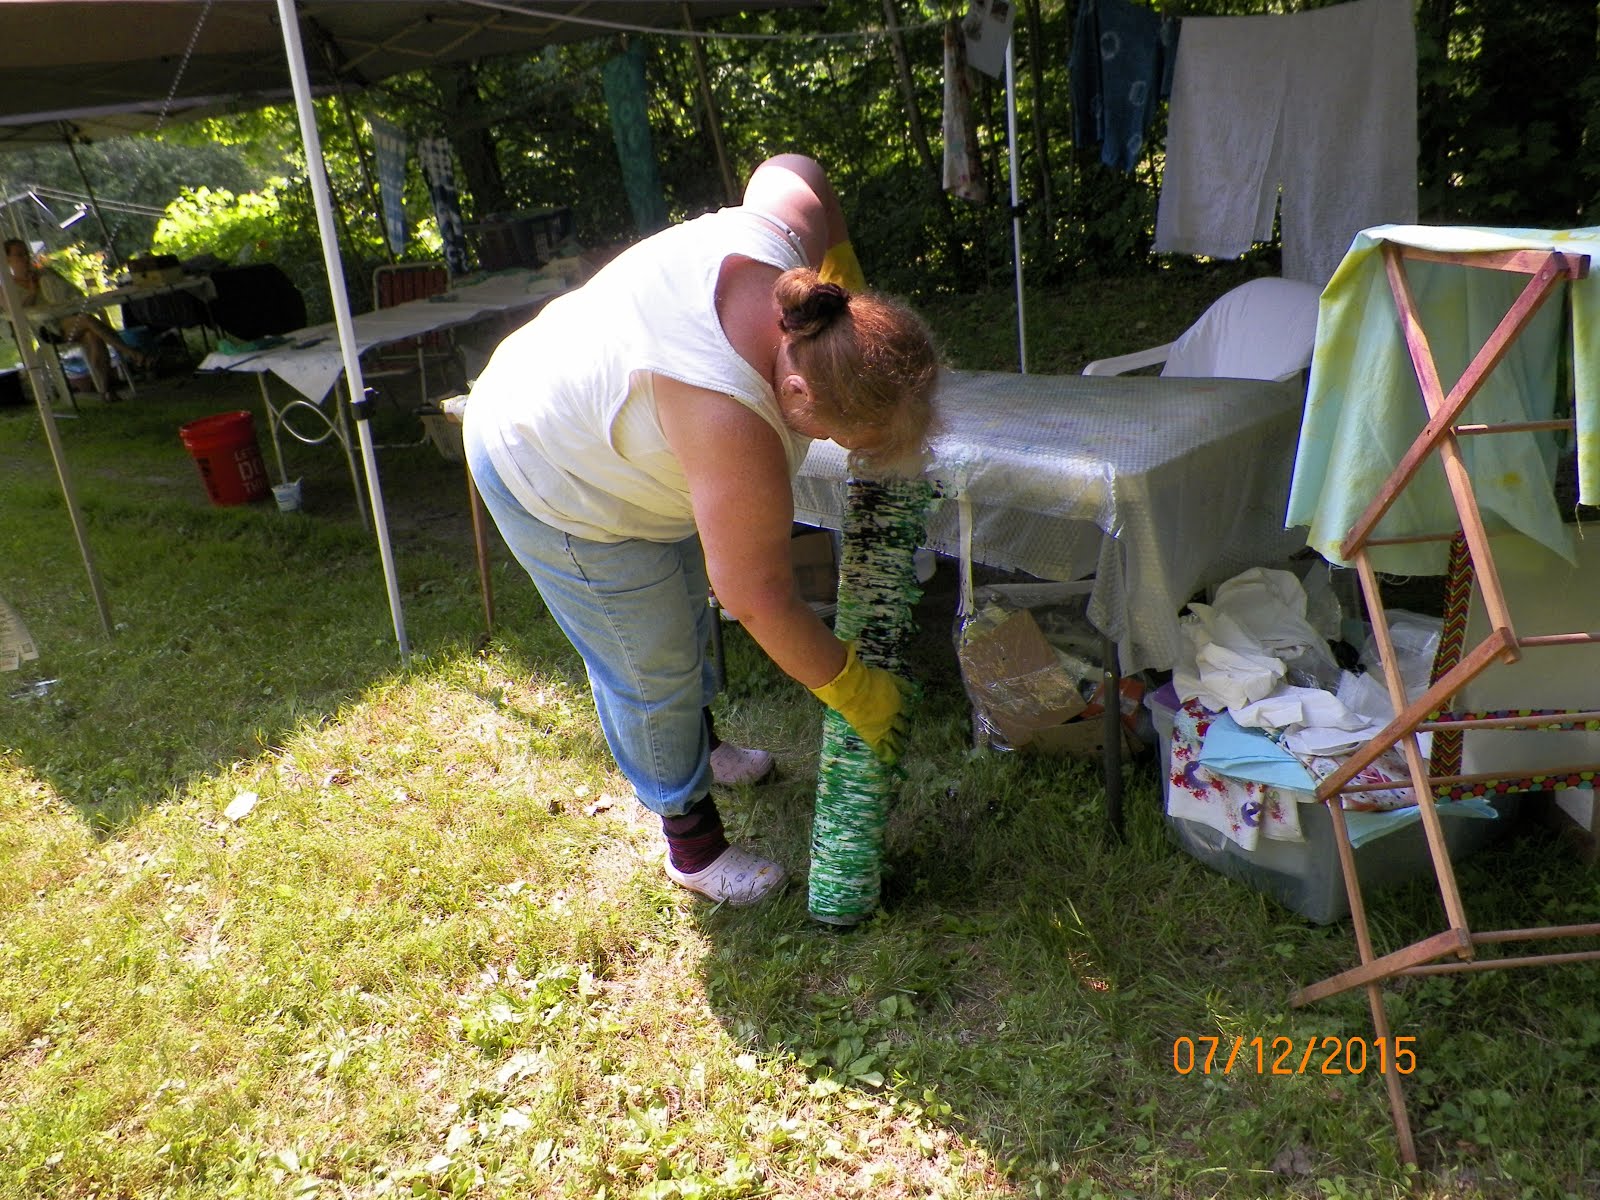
x=1453, y=949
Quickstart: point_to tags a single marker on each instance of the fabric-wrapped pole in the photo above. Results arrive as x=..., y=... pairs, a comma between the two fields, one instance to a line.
x=884, y=523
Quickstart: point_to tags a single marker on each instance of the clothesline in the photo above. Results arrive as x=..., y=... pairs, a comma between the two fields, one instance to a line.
x=704, y=34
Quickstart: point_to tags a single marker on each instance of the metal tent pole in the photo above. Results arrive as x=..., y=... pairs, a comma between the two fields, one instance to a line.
x=341, y=303
x=1016, y=203
x=47, y=418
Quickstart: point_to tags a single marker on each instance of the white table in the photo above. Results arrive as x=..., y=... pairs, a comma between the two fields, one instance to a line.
x=311, y=363
x=200, y=285
x=1157, y=487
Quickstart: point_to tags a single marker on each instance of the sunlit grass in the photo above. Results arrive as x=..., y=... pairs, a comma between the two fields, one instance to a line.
x=281, y=916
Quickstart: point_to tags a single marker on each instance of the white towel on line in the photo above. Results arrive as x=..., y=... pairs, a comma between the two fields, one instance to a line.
x=1321, y=104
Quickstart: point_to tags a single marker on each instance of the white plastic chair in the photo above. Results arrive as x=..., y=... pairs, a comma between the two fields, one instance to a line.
x=1263, y=329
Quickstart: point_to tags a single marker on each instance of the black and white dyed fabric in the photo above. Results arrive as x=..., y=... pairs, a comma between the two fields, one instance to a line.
x=438, y=165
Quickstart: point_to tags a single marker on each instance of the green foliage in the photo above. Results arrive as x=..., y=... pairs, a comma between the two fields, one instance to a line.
x=215, y=221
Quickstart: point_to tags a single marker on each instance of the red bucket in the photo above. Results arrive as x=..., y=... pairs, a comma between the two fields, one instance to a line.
x=225, y=450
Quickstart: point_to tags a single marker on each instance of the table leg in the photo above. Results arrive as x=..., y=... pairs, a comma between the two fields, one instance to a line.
x=718, y=663
x=341, y=430
x=1111, y=755
x=272, y=425
x=480, y=543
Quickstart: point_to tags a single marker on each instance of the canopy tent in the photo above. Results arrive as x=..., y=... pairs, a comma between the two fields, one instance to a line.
x=106, y=69
x=87, y=69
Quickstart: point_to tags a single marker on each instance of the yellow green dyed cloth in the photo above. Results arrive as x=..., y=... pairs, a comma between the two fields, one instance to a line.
x=1364, y=407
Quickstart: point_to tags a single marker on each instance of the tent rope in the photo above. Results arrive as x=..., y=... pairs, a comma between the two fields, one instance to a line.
x=161, y=120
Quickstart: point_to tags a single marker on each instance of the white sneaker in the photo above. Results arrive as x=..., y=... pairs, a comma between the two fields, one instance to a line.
x=737, y=878
x=732, y=765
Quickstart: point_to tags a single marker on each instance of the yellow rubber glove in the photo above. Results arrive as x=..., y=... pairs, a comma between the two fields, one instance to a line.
x=839, y=265
x=872, y=700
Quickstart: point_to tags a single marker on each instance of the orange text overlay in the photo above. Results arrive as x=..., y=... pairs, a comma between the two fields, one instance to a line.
x=1293, y=1056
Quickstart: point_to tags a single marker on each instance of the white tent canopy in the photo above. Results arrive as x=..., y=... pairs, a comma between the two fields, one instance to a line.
x=87, y=69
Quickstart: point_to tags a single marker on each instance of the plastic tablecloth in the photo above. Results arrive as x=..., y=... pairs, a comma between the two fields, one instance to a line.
x=1159, y=487
x=311, y=363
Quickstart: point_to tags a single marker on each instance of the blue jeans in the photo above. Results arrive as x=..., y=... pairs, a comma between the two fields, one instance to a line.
x=637, y=613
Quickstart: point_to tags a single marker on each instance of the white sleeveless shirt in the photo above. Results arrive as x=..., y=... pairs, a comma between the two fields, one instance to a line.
x=565, y=408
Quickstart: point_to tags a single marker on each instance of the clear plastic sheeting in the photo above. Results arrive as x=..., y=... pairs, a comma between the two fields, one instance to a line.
x=1157, y=486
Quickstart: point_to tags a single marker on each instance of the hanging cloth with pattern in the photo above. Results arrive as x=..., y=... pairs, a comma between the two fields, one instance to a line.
x=438, y=166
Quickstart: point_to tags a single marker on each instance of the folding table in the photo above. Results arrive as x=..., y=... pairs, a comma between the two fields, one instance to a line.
x=96, y=302
x=309, y=360
x=1395, y=464
x=1158, y=487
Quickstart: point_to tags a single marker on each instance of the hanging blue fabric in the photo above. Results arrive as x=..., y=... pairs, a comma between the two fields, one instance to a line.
x=389, y=146
x=1120, y=69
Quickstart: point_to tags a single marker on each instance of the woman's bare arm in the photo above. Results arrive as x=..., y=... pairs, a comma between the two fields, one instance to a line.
x=739, y=488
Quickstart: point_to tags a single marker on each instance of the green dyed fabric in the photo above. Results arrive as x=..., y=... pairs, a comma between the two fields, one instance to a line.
x=623, y=84
x=885, y=522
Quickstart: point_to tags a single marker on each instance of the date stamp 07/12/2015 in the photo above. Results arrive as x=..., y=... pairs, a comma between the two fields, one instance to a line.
x=1329, y=1055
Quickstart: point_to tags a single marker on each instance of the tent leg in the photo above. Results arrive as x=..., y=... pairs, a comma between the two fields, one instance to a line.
x=289, y=19
x=1016, y=203
x=47, y=418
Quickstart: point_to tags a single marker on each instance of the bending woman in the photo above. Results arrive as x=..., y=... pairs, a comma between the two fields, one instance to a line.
x=638, y=439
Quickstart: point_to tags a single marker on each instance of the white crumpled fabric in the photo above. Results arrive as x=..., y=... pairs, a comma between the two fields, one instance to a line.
x=1243, y=643
x=1243, y=646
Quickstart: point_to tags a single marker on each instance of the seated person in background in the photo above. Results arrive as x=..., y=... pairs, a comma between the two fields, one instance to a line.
x=42, y=286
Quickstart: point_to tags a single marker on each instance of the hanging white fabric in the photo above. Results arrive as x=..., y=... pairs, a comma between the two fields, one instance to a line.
x=987, y=31
x=963, y=163
x=1320, y=104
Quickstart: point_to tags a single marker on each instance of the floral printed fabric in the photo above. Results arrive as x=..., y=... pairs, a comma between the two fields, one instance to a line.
x=1241, y=809
x=1246, y=811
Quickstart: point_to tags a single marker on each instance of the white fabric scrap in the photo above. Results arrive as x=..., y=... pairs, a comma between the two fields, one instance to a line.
x=1240, y=643
x=1320, y=105
x=1239, y=647
x=1223, y=676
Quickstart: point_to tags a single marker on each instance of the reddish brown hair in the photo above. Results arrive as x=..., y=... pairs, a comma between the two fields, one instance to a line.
x=868, y=359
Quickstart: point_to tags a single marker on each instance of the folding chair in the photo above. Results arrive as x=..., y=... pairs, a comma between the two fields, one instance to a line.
x=1263, y=329
x=400, y=283
x=1460, y=661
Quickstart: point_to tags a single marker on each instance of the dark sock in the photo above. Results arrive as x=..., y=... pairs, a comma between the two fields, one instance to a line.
x=711, y=729
x=695, y=839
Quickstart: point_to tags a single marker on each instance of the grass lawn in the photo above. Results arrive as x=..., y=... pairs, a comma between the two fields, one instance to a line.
x=280, y=917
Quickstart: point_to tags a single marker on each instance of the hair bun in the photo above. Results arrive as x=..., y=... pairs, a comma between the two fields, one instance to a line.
x=815, y=311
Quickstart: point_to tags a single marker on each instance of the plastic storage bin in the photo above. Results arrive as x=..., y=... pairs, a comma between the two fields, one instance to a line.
x=1304, y=876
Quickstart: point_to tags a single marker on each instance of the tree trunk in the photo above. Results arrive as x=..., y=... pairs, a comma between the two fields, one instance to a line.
x=902, y=62
x=934, y=170
x=468, y=130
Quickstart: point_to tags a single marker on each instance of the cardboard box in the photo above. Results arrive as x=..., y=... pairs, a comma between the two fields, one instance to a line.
x=159, y=277
x=1018, y=683
x=816, y=573
x=1083, y=737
